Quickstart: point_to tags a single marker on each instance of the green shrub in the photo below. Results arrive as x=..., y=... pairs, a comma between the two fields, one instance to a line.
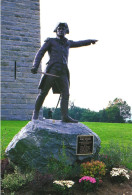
x=93, y=169
x=58, y=169
x=115, y=154
x=16, y=180
x=61, y=169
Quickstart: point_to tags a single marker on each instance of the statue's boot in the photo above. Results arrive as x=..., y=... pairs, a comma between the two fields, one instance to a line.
x=64, y=112
x=68, y=119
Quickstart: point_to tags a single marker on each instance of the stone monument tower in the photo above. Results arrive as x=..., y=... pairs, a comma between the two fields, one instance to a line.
x=20, y=40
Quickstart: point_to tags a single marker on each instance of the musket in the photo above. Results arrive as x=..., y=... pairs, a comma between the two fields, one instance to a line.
x=58, y=101
x=48, y=74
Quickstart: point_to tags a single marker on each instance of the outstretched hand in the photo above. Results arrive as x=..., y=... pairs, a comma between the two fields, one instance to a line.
x=34, y=70
x=93, y=41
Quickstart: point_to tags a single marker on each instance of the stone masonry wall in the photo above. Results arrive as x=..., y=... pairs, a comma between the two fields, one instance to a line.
x=20, y=40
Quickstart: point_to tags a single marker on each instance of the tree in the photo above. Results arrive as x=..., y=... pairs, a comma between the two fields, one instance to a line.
x=56, y=113
x=116, y=112
x=113, y=115
x=76, y=112
x=123, y=107
x=103, y=116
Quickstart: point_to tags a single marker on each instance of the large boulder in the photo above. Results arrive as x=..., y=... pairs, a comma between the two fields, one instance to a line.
x=39, y=140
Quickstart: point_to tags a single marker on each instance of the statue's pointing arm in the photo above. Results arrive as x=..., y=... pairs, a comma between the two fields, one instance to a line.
x=82, y=43
x=40, y=55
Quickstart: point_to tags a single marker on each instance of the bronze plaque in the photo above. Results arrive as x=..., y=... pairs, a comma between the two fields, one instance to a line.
x=85, y=144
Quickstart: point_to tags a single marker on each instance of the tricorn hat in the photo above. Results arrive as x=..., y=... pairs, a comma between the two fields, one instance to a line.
x=62, y=24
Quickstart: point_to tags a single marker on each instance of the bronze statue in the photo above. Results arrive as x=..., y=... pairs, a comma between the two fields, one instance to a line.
x=58, y=49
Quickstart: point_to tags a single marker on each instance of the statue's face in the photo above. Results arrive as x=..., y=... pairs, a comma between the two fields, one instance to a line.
x=61, y=31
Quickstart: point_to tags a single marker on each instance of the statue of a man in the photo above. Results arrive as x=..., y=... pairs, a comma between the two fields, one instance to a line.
x=58, y=49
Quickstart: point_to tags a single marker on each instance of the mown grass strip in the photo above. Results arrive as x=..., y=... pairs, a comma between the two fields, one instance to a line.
x=8, y=130
x=120, y=132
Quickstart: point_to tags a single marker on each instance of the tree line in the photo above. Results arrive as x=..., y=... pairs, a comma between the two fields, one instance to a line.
x=117, y=111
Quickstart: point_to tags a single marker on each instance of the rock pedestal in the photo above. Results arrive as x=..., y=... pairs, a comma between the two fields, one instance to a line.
x=39, y=140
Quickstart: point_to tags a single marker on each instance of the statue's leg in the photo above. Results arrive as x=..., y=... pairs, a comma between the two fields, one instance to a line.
x=64, y=97
x=38, y=104
x=41, y=97
x=65, y=100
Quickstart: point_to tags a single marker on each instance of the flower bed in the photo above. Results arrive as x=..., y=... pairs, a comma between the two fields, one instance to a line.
x=119, y=175
x=63, y=186
x=89, y=184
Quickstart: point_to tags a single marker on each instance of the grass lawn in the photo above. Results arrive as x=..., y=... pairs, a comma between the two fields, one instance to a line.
x=8, y=130
x=113, y=135
x=116, y=132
